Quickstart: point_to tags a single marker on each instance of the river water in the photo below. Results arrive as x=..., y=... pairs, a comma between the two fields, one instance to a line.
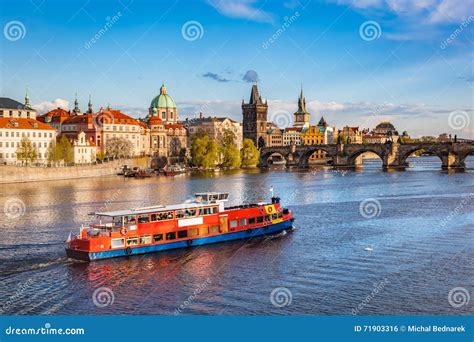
x=366, y=242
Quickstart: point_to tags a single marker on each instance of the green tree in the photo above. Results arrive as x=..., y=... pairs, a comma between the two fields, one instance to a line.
x=230, y=154
x=65, y=150
x=26, y=152
x=204, y=151
x=250, y=155
x=100, y=156
x=53, y=153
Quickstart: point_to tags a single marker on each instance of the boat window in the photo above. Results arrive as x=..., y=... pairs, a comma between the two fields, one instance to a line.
x=252, y=220
x=179, y=214
x=259, y=219
x=171, y=236
x=182, y=234
x=190, y=212
x=222, y=196
x=153, y=217
x=193, y=232
x=214, y=229
x=267, y=217
x=130, y=219
x=145, y=239
x=133, y=241
x=165, y=215
x=243, y=222
x=203, y=230
x=144, y=218
x=157, y=237
x=117, y=243
x=214, y=197
x=117, y=220
x=233, y=223
x=214, y=210
x=274, y=216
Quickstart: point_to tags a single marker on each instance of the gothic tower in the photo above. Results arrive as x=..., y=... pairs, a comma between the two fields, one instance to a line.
x=255, y=118
x=301, y=117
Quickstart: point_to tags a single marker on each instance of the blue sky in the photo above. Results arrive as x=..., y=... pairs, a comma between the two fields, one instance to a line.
x=401, y=68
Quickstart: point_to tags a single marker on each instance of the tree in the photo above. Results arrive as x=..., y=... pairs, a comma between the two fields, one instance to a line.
x=204, y=151
x=26, y=152
x=118, y=147
x=249, y=153
x=230, y=154
x=100, y=156
x=65, y=150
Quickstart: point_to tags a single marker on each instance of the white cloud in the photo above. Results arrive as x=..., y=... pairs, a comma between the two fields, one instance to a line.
x=46, y=106
x=244, y=9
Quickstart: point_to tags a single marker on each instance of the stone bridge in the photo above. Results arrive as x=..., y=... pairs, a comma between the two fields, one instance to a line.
x=393, y=155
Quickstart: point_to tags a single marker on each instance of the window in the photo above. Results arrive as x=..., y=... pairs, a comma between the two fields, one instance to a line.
x=260, y=219
x=157, y=237
x=190, y=212
x=193, y=232
x=214, y=229
x=133, y=241
x=203, y=230
x=267, y=217
x=243, y=222
x=182, y=234
x=170, y=236
x=274, y=216
x=179, y=213
x=145, y=239
x=252, y=220
x=233, y=224
x=143, y=218
x=117, y=243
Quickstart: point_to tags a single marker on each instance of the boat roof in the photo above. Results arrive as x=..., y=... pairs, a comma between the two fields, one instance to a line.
x=198, y=203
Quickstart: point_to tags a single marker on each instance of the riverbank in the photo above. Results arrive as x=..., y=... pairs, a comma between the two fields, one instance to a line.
x=23, y=174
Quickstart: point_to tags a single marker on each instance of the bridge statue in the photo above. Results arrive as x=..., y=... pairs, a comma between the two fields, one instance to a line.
x=393, y=154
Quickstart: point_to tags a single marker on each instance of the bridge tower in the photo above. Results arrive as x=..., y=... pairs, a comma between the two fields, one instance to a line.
x=255, y=118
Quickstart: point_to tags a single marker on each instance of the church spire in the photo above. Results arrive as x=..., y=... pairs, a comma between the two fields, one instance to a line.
x=27, y=98
x=301, y=102
x=76, y=106
x=89, y=106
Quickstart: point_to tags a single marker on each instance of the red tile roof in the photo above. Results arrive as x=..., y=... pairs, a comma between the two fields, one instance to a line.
x=16, y=123
x=55, y=115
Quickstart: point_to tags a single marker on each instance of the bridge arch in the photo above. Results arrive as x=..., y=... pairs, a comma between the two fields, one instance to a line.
x=446, y=158
x=353, y=157
x=306, y=155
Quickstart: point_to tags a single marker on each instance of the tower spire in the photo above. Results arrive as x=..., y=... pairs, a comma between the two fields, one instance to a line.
x=89, y=105
x=27, y=98
x=76, y=106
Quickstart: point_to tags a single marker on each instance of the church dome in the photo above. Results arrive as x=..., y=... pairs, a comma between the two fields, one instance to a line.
x=163, y=100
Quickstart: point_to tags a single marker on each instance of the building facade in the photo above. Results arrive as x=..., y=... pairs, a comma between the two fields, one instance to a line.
x=18, y=121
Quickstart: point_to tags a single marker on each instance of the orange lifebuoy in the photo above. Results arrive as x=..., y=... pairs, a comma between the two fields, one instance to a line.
x=123, y=231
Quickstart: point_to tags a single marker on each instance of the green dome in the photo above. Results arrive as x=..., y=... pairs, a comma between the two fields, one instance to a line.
x=163, y=100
